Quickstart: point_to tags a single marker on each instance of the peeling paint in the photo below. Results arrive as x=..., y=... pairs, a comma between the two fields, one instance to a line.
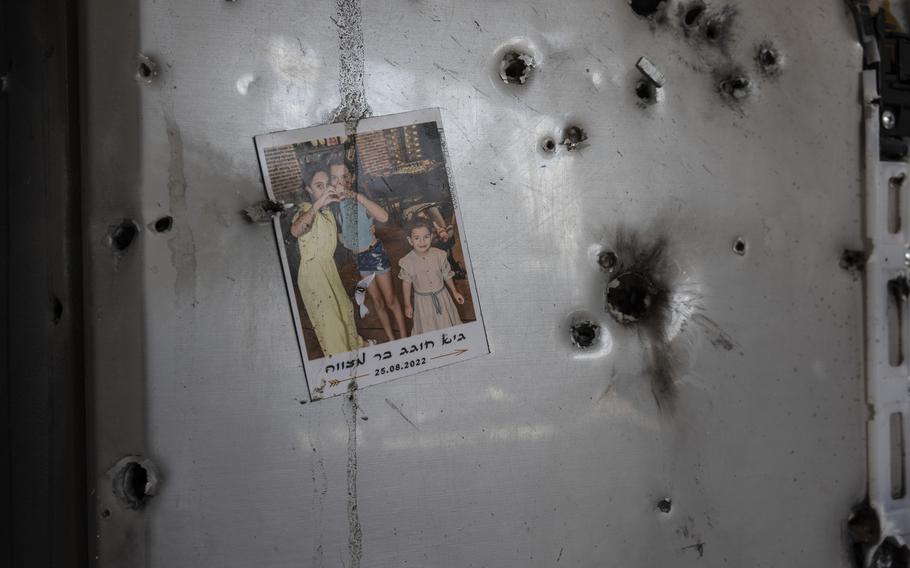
x=353, y=105
x=182, y=244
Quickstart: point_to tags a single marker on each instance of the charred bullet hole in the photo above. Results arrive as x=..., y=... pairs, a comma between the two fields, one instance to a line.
x=692, y=14
x=645, y=7
x=735, y=86
x=574, y=137
x=630, y=297
x=164, y=224
x=853, y=261
x=890, y=554
x=548, y=144
x=739, y=246
x=585, y=334
x=716, y=27
x=56, y=310
x=712, y=31
x=134, y=482
x=646, y=91
x=607, y=260
x=123, y=235
x=863, y=525
x=641, y=294
x=516, y=67
x=665, y=505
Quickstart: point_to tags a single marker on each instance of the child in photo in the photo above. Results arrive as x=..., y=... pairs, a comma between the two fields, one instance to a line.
x=426, y=274
x=357, y=214
x=318, y=281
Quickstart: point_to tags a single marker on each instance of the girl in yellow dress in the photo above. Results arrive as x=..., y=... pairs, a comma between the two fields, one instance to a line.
x=320, y=286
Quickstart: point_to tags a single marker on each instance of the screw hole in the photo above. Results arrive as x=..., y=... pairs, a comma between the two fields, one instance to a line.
x=164, y=224
x=584, y=334
x=123, y=235
x=739, y=246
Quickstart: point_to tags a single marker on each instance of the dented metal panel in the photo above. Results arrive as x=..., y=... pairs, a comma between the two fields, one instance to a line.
x=730, y=432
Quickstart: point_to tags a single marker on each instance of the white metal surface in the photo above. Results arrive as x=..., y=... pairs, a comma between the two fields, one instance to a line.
x=536, y=455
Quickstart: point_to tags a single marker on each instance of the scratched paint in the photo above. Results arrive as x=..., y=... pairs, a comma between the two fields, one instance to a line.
x=350, y=409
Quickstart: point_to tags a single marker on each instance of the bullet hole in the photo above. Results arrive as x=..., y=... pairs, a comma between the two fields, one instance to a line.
x=712, y=31
x=516, y=67
x=646, y=92
x=853, y=261
x=164, y=224
x=645, y=7
x=739, y=246
x=734, y=86
x=864, y=530
x=692, y=13
x=891, y=555
x=607, y=260
x=769, y=59
x=56, y=310
x=123, y=235
x=548, y=144
x=717, y=27
x=863, y=525
x=146, y=69
x=639, y=296
x=106, y=514
x=584, y=334
x=629, y=297
x=574, y=137
x=665, y=505
x=135, y=481
x=263, y=211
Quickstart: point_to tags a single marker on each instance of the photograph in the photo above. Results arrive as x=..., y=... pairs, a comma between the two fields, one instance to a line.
x=371, y=239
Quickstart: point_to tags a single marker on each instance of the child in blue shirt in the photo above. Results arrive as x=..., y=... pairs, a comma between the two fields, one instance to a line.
x=357, y=214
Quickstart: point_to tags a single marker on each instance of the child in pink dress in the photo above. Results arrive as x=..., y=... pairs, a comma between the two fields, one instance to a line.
x=426, y=272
